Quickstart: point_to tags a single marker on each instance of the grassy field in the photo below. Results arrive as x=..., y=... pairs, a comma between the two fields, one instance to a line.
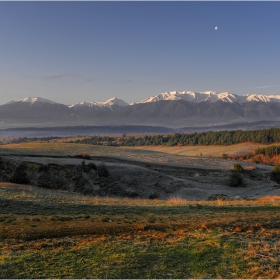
x=183, y=156
x=71, y=148
x=57, y=234
x=211, y=150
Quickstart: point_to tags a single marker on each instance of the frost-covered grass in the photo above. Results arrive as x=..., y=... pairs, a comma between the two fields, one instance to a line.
x=58, y=234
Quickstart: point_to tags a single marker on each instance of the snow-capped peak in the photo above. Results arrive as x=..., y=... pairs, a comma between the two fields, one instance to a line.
x=114, y=101
x=33, y=100
x=108, y=103
x=191, y=96
x=196, y=97
x=212, y=96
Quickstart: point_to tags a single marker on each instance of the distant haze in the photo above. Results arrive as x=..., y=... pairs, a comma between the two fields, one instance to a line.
x=70, y=52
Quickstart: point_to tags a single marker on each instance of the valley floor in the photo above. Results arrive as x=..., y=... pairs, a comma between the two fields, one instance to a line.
x=177, y=233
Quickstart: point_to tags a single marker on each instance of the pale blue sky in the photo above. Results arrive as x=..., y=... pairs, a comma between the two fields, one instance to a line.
x=90, y=51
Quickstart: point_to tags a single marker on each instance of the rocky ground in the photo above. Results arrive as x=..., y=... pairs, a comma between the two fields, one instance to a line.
x=127, y=178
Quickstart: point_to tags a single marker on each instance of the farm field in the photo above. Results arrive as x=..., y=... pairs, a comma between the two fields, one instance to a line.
x=58, y=234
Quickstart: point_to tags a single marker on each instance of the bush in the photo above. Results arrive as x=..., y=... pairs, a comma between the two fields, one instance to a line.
x=102, y=170
x=237, y=167
x=132, y=194
x=92, y=166
x=47, y=180
x=276, y=169
x=275, y=174
x=236, y=180
x=87, y=168
x=20, y=175
x=153, y=196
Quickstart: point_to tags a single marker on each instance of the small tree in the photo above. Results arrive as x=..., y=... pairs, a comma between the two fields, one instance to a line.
x=237, y=167
x=275, y=174
x=236, y=180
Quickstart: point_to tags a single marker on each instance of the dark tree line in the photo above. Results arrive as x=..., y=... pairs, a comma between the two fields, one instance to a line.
x=31, y=139
x=268, y=151
x=265, y=136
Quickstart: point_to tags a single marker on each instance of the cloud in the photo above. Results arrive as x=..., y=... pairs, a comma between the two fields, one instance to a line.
x=266, y=86
x=89, y=80
x=56, y=77
x=128, y=81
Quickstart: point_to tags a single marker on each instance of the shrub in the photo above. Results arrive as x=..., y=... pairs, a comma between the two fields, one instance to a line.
x=236, y=180
x=47, y=180
x=132, y=194
x=83, y=166
x=276, y=169
x=218, y=197
x=92, y=166
x=20, y=175
x=237, y=167
x=275, y=174
x=102, y=170
x=87, y=168
x=153, y=196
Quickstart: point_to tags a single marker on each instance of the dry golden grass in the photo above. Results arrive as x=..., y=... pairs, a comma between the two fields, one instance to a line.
x=31, y=193
x=211, y=150
x=72, y=148
x=60, y=147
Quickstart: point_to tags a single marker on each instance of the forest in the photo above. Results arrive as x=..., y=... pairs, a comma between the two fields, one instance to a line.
x=265, y=136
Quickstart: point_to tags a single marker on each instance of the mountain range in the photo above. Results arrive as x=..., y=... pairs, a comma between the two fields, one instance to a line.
x=170, y=109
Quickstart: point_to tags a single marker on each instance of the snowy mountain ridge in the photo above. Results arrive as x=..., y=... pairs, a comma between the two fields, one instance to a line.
x=196, y=97
x=212, y=96
x=168, y=109
x=108, y=103
x=32, y=100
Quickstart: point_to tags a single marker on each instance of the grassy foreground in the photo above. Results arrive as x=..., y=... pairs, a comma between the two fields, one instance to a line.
x=56, y=234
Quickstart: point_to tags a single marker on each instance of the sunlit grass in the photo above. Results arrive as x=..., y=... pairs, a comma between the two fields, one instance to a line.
x=58, y=234
x=112, y=257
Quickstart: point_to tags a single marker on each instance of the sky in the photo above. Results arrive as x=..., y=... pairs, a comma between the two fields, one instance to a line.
x=71, y=52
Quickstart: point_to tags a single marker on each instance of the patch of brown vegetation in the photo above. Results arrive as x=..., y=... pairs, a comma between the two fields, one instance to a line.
x=263, y=159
